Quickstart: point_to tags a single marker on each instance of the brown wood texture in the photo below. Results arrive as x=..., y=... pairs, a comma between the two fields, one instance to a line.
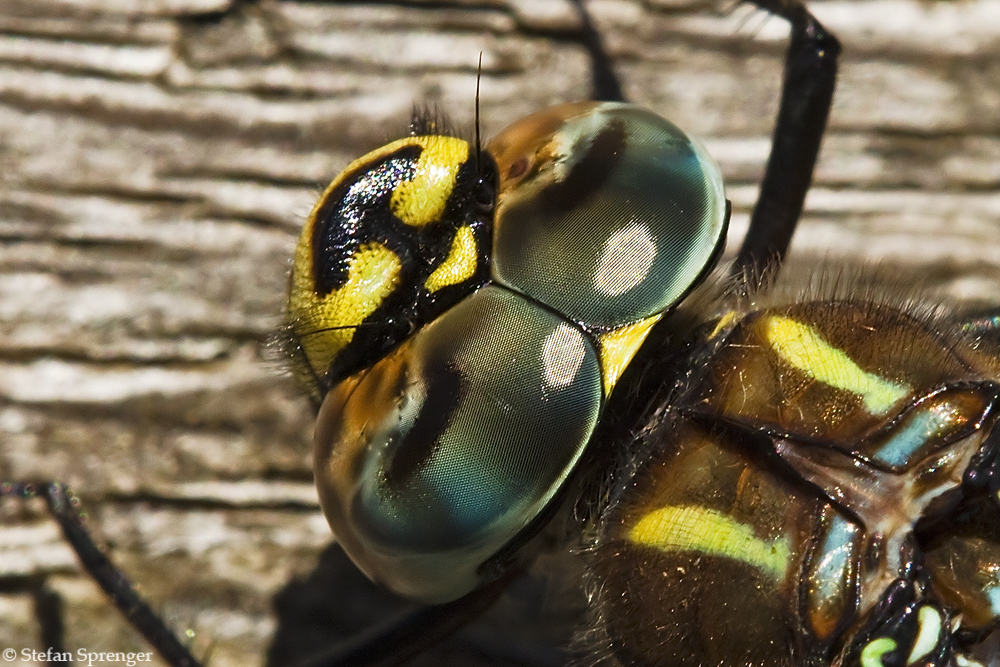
x=157, y=158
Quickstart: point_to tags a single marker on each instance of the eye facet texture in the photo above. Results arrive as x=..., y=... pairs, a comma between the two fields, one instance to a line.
x=609, y=218
x=432, y=460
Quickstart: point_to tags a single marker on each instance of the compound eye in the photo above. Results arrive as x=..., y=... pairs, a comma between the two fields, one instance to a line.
x=435, y=458
x=606, y=212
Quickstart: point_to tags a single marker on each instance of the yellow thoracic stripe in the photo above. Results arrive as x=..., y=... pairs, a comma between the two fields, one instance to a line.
x=459, y=265
x=709, y=532
x=421, y=199
x=803, y=348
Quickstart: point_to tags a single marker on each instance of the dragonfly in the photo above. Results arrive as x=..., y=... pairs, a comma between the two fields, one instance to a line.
x=738, y=208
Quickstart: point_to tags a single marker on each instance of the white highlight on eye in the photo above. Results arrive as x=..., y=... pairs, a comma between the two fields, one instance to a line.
x=562, y=356
x=625, y=260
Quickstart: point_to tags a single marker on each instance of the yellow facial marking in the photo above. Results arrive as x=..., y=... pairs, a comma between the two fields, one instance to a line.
x=800, y=346
x=712, y=533
x=444, y=148
x=459, y=265
x=325, y=324
x=871, y=654
x=619, y=346
x=421, y=200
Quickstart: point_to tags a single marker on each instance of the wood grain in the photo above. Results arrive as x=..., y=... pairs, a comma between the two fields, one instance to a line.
x=158, y=156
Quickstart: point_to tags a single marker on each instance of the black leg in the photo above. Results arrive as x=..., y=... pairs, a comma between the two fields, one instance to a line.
x=607, y=87
x=112, y=580
x=810, y=74
x=48, y=611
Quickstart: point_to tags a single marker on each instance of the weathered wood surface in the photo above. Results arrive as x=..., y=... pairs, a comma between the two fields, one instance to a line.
x=158, y=156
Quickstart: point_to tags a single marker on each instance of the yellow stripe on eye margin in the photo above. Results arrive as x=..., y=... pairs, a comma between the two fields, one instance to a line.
x=705, y=531
x=803, y=348
x=619, y=346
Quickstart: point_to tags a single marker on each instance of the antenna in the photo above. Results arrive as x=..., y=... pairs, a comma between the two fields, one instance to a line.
x=479, y=75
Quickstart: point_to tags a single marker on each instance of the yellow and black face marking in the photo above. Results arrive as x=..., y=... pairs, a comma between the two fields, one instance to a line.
x=460, y=385
x=402, y=234
x=821, y=491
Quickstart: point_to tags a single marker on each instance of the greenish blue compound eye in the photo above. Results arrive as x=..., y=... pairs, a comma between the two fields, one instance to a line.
x=443, y=451
x=451, y=456
x=617, y=225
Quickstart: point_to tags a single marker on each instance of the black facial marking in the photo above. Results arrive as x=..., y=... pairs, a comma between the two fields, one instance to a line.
x=353, y=214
